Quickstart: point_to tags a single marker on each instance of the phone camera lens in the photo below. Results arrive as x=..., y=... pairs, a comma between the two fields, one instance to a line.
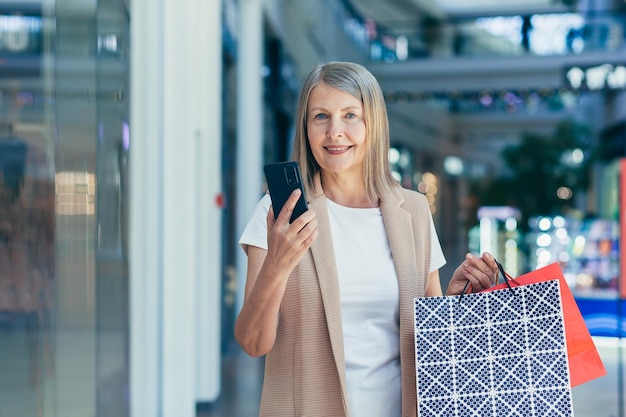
x=290, y=174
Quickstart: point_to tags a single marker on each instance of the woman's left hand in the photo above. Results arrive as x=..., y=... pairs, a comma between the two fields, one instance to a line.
x=480, y=271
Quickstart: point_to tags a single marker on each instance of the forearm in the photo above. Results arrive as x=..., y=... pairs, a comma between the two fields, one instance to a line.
x=267, y=275
x=256, y=326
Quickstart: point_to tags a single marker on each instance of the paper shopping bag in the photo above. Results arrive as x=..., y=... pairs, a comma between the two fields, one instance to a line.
x=584, y=361
x=492, y=354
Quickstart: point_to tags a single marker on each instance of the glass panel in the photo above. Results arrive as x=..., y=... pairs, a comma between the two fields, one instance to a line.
x=113, y=141
x=63, y=151
x=27, y=221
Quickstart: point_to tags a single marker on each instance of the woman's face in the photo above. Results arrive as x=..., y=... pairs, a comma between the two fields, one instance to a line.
x=336, y=130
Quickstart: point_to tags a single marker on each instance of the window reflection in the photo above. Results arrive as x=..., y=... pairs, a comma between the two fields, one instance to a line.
x=547, y=34
x=26, y=271
x=75, y=193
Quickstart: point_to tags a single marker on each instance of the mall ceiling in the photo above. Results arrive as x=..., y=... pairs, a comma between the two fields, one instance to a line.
x=480, y=134
x=408, y=10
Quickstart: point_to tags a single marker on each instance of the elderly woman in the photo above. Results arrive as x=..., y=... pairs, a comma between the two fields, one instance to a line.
x=329, y=297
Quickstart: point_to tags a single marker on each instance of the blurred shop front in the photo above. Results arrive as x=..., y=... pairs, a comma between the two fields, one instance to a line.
x=589, y=247
x=590, y=250
x=64, y=142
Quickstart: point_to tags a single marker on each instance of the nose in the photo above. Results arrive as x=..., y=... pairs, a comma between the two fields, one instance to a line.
x=335, y=128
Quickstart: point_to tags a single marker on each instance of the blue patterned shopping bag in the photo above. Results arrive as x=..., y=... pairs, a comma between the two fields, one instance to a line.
x=493, y=354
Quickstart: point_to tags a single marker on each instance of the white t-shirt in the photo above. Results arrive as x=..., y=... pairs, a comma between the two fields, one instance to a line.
x=369, y=291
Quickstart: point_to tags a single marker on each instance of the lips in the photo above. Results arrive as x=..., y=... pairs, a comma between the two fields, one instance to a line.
x=337, y=150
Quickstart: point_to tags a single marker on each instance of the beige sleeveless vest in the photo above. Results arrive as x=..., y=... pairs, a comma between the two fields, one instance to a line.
x=305, y=370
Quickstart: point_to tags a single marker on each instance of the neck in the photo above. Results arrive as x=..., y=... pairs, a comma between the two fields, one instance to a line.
x=347, y=193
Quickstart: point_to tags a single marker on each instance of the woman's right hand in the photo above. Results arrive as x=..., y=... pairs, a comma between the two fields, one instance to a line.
x=268, y=273
x=287, y=243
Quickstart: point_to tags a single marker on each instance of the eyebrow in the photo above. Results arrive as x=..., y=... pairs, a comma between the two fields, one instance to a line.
x=343, y=109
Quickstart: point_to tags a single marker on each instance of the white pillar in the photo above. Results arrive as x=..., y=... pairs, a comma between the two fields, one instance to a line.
x=175, y=171
x=249, y=123
x=146, y=211
x=208, y=248
x=180, y=133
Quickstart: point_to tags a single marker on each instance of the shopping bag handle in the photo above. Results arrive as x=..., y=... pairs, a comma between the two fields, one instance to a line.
x=505, y=276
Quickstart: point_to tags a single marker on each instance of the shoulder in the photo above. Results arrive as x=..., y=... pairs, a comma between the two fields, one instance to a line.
x=411, y=198
x=406, y=200
x=410, y=194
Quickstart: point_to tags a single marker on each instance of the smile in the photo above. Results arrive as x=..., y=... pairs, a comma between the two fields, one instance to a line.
x=337, y=149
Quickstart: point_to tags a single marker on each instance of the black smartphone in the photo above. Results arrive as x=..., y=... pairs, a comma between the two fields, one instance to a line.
x=282, y=178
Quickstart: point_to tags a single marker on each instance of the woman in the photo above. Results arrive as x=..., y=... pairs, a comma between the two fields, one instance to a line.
x=329, y=297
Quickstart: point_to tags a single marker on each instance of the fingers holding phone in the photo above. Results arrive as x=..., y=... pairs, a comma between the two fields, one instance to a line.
x=292, y=227
x=282, y=179
x=304, y=224
x=287, y=242
x=289, y=208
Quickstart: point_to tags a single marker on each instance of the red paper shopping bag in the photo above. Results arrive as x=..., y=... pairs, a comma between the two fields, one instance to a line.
x=584, y=361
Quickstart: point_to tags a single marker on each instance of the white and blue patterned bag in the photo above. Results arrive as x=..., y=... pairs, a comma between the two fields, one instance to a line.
x=493, y=354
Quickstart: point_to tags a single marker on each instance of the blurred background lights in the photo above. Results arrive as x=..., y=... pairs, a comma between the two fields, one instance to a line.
x=564, y=193
x=558, y=221
x=578, y=156
x=486, y=99
x=429, y=178
x=428, y=187
x=486, y=236
x=544, y=224
x=543, y=258
x=544, y=240
x=584, y=280
x=394, y=155
x=511, y=224
x=561, y=234
x=453, y=165
x=402, y=48
x=580, y=240
x=511, y=260
x=404, y=159
x=579, y=245
x=573, y=158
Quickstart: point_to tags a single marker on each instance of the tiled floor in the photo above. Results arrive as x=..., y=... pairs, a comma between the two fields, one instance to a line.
x=242, y=379
x=25, y=384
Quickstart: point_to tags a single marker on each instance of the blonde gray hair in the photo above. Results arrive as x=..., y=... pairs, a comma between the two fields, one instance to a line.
x=357, y=81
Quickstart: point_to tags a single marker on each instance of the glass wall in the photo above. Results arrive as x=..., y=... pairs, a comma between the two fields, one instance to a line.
x=63, y=203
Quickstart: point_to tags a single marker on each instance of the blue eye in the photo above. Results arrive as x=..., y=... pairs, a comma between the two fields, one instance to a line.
x=351, y=115
x=320, y=116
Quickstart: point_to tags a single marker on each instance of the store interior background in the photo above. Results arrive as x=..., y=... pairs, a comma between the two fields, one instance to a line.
x=132, y=139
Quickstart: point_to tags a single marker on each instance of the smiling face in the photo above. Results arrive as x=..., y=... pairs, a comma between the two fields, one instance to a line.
x=336, y=131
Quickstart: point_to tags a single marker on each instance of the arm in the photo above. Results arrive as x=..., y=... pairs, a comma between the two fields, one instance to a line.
x=267, y=275
x=433, y=287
